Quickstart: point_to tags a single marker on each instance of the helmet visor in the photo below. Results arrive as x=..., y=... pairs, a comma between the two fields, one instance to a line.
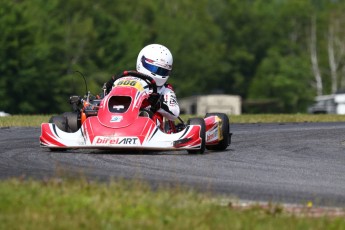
x=149, y=65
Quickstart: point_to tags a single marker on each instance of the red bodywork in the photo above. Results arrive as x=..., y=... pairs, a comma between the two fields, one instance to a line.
x=119, y=125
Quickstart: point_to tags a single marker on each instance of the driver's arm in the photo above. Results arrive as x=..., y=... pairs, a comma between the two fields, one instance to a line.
x=169, y=106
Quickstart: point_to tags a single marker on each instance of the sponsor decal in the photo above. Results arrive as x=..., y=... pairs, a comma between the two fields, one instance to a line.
x=127, y=141
x=212, y=136
x=173, y=101
x=116, y=118
x=118, y=107
x=131, y=83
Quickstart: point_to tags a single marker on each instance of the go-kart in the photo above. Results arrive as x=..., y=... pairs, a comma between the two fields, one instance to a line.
x=122, y=119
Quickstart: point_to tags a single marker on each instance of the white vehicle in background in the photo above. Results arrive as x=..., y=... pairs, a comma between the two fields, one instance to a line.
x=328, y=104
x=3, y=114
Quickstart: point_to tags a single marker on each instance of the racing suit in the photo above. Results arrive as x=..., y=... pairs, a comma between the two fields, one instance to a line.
x=166, y=105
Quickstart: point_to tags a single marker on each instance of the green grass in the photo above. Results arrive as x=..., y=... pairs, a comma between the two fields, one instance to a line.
x=81, y=204
x=36, y=120
x=24, y=120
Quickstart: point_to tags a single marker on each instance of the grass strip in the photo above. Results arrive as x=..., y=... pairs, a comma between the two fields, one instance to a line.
x=81, y=204
x=24, y=120
x=37, y=120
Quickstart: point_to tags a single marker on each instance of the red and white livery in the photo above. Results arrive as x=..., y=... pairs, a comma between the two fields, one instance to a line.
x=122, y=120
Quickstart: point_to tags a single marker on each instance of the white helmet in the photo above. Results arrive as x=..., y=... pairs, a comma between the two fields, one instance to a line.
x=156, y=61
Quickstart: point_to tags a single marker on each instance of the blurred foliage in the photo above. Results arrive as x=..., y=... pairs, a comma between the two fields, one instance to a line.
x=258, y=49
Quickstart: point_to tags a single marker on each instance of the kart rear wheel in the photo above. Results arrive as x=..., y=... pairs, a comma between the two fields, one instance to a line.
x=201, y=122
x=223, y=144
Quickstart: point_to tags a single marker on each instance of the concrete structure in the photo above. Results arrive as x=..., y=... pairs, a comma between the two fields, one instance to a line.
x=200, y=105
x=3, y=114
x=329, y=104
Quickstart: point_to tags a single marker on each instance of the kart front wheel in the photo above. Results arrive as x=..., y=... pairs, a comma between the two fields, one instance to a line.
x=73, y=121
x=201, y=122
x=68, y=122
x=60, y=121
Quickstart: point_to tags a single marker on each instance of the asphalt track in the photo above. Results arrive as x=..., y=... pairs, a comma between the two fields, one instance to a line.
x=285, y=163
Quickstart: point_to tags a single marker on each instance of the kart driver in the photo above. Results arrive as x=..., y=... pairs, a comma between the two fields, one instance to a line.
x=156, y=61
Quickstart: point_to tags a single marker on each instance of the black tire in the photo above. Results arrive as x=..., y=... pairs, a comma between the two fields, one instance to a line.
x=73, y=121
x=60, y=121
x=201, y=122
x=223, y=144
x=68, y=122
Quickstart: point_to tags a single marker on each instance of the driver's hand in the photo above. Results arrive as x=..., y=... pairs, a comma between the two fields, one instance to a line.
x=153, y=98
x=155, y=101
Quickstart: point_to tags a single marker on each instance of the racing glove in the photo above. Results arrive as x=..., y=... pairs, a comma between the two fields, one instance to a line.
x=155, y=101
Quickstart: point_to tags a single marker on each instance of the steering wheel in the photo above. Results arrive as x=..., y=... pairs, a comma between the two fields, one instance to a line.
x=149, y=80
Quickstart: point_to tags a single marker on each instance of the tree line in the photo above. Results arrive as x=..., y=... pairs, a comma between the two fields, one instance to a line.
x=276, y=54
